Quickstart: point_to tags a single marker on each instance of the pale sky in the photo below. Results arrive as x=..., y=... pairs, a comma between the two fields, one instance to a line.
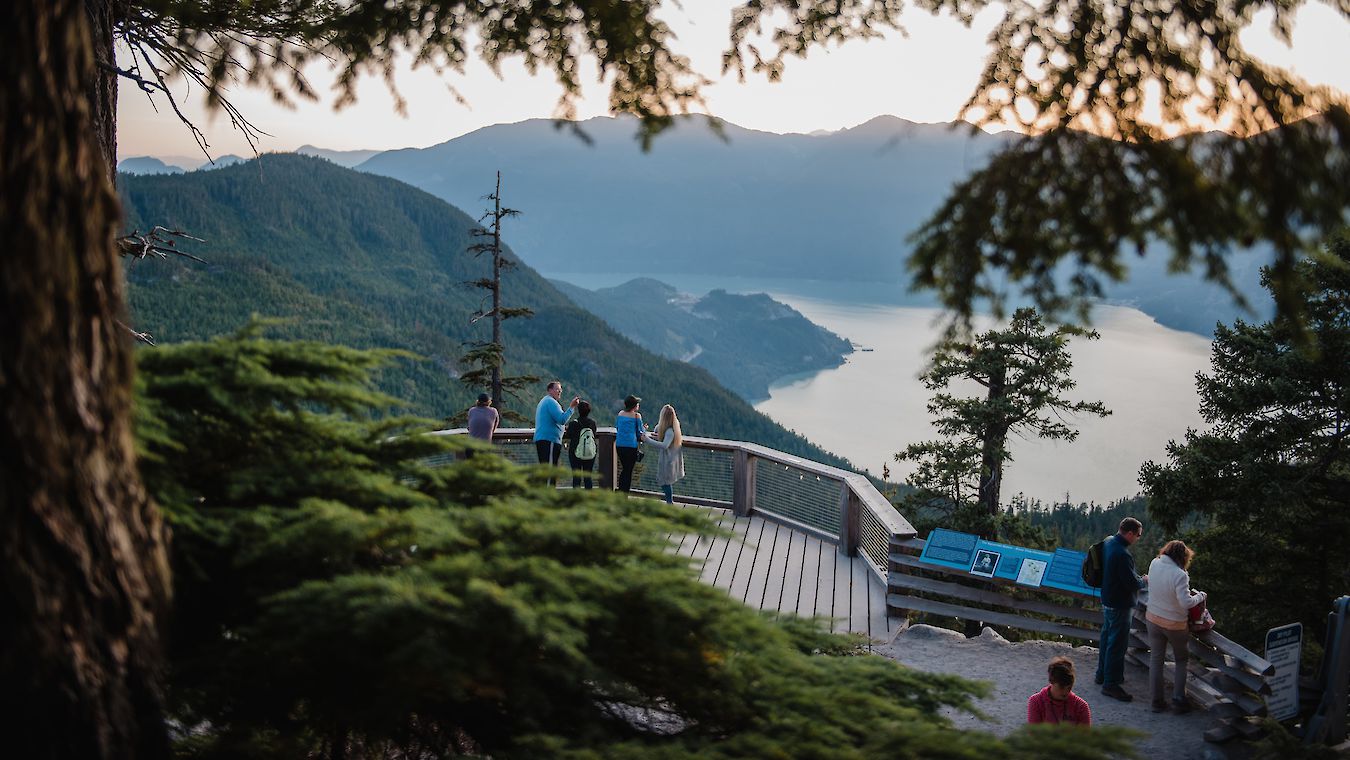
x=924, y=77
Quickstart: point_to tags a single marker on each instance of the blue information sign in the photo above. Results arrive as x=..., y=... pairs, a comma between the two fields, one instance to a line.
x=1029, y=567
x=950, y=548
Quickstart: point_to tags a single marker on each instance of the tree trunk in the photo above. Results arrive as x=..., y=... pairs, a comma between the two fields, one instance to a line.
x=497, y=291
x=82, y=552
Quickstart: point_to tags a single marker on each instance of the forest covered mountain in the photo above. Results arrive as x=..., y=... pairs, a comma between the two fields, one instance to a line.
x=745, y=341
x=367, y=261
x=836, y=206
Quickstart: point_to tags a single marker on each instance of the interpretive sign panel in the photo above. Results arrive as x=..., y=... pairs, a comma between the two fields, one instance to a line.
x=1066, y=573
x=1284, y=645
x=1029, y=567
x=950, y=548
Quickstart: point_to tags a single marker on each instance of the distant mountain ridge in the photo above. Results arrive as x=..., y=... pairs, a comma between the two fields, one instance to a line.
x=347, y=158
x=837, y=206
x=367, y=261
x=745, y=341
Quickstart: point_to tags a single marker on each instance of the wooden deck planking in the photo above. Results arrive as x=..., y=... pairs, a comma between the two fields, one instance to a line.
x=758, y=574
x=775, y=568
x=858, y=618
x=880, y=622
x=718, y=550
x=745, y=561
x=792, y=574
x=841, y=601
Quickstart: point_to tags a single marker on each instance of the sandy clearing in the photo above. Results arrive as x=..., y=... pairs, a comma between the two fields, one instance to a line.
x=1018, y=670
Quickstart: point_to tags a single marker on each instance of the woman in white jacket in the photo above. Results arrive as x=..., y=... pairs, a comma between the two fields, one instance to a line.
x=1169, y=602
x=670, y=467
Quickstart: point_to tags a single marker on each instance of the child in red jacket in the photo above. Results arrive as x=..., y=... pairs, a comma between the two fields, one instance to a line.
x=1057, y=703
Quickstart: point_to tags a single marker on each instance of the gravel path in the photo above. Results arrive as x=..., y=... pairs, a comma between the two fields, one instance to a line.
x=1018, y=670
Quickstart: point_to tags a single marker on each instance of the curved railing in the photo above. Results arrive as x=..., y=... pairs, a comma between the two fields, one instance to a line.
x=827, y=502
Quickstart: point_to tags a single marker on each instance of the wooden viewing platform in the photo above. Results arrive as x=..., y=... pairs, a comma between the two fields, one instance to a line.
x=808, y=539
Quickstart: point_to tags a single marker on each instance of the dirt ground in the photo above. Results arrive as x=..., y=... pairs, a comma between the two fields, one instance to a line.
x=1018, y=670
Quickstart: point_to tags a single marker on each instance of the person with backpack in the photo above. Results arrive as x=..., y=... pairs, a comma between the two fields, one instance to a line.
x=1120, y=587
x=581, y=445
x=1170, y=600
x=670, y=466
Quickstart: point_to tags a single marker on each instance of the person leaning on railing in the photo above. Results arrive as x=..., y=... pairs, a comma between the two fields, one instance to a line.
x=628, y=432
x=1169, y=601
x=670, y=466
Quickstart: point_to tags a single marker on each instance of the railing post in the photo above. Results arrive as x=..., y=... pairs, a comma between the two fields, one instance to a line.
x=743, y=483
x=848, y=520
x=604, y=442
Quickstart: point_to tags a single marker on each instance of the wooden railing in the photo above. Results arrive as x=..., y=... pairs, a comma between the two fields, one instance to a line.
x=1227, y=679
x=827, y=502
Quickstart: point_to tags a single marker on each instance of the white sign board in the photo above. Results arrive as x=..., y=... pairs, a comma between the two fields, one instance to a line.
x=1284, y=645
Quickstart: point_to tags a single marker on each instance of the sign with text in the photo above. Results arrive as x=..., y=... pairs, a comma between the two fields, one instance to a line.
x=1284, y=646
x=950, y=548
x=1030, y=567
x=1066, y=572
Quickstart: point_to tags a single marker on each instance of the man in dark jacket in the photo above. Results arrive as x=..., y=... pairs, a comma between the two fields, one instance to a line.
x=1120, y=587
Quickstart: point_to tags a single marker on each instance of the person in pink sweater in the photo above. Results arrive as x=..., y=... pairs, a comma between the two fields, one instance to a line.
x=1057, y=703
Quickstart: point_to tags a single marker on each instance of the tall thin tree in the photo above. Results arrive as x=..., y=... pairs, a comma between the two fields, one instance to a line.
x=489, y=357
x=1024, y=370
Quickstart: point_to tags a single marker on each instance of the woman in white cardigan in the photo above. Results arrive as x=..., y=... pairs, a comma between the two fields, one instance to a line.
x=670, y=467
x=1169, y=602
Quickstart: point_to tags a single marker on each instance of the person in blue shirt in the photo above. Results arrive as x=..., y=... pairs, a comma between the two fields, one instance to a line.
x=629, y=431
x=549, y=419
x=1120, y=588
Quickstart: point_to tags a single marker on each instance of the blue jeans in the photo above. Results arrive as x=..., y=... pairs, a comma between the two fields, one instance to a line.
x=669, y=492
x=1115, y=639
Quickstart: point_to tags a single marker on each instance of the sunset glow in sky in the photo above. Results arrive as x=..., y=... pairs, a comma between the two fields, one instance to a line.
x=924, y=77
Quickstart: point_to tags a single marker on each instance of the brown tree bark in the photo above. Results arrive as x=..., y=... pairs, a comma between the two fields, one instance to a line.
x=83, y=572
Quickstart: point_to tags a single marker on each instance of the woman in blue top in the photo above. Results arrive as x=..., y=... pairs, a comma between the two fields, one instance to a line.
x=628, y=432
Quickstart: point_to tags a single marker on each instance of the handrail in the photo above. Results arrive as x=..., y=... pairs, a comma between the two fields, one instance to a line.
x=751, y=479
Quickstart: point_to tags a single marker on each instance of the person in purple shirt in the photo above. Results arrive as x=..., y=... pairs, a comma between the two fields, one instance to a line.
x=483, y=419
x=549, y=419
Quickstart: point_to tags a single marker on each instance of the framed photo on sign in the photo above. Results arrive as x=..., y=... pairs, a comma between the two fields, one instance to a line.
x=1031, y=572
x=986, y=562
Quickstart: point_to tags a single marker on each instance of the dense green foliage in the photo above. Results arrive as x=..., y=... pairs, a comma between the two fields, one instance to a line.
x=365, y=261
x=745, y=341
x=1271, y=474
x=335, y=596
x=1024, y=370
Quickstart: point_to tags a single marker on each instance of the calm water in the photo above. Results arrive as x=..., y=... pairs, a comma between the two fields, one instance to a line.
x=874, y=405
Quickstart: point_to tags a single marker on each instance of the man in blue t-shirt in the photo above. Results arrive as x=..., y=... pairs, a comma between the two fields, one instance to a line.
x=549, y=419
x=1120, y=587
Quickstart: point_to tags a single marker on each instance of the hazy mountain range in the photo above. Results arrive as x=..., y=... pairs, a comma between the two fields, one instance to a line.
x=835, y=206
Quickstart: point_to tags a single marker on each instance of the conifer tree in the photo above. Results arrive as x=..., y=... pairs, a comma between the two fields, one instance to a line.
x=490, y=356
x=1024, y=370
x=1266, y=486
x=340, y=595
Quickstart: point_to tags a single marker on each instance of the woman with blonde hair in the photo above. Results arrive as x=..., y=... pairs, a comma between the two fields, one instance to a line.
x=670, y=467
x=1169, y=600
